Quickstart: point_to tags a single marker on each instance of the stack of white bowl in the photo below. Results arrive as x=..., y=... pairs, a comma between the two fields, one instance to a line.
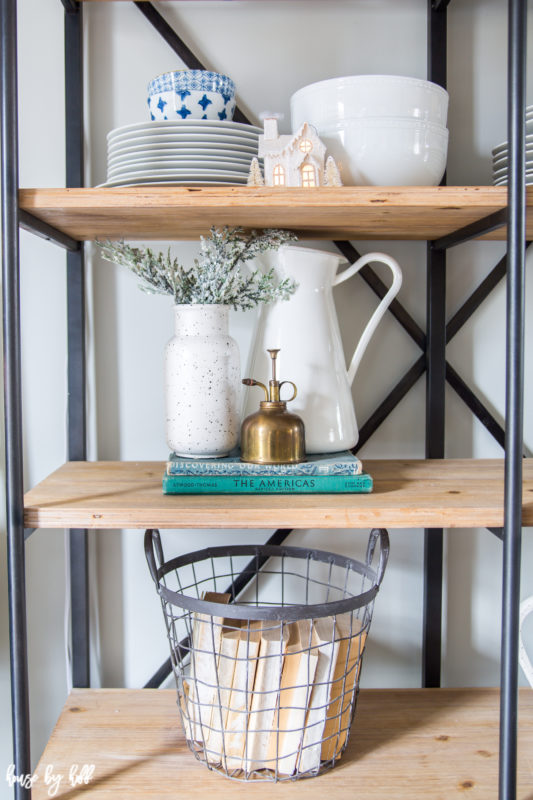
x=382, y=130
x=500, y=155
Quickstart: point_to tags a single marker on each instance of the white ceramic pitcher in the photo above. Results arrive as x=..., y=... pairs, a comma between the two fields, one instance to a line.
x=306, y=330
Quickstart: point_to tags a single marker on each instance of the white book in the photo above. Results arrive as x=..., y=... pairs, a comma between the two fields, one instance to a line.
x=241, y=697
x=351, y=638
x=205, y=648
x=186, y=710
x=323, y=638
x=297, y=679
x=227, y=660
x=274, y=637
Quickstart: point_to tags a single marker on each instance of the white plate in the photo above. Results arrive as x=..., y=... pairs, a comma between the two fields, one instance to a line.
x=505, y=152
x=182, y=152
x=529, y=182
x=187, y=155
x=124, y=184
x=168, y=169
x=183, y=163
x=204, y=125
x=503, y=181
x=503, y=167
x=505, y=145
x=238, y=147
x=503, y=175
x=501, y=163
x=163, y=137
x=184, y=174
x=157, y=136
x=197, y=139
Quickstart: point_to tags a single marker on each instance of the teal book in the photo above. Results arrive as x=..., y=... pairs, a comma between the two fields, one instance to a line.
x=342, y=463
x=267, y=484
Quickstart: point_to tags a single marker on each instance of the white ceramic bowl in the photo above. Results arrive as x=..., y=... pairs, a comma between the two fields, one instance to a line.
x=387, y=152
x=369, y=96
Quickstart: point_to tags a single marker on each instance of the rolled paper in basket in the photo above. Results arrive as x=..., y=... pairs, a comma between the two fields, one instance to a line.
x=186, y=707
x=205, y=649
x=229, y=647
x=327, y=649
x=274, y=638
x=299, y=667
x=352, y=641
x=241, y=696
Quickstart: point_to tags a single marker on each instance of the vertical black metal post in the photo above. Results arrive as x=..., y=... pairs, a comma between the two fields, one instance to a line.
x=514, y=400
x=12, y=394
x=77, y=426
x=435, y=386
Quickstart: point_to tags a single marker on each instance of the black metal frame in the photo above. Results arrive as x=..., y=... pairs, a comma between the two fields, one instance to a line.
x=77, y=418
x=432, y=361
x=514, y=397
x=435, y=382
x=12, y=392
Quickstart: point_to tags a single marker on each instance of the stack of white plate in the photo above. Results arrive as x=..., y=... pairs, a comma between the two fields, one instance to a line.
x=500, y=155
x=181, y=152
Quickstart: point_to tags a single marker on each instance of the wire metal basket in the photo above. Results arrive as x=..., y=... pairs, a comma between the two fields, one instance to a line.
x=267, y=651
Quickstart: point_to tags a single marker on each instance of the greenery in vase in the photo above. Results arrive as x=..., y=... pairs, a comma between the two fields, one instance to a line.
x=216, y=276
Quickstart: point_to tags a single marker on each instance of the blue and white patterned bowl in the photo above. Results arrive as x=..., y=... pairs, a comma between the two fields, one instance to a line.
x=191, y=94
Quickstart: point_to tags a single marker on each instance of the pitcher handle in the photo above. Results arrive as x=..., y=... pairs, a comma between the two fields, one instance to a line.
x=375, y=319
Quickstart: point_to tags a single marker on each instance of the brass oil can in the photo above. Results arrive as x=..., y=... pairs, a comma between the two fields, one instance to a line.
x=273, y=435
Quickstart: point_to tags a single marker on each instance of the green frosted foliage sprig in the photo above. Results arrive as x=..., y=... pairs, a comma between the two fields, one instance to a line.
x=216, y=276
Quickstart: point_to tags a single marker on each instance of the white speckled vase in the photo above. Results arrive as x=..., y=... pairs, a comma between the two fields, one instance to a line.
x=203, y=383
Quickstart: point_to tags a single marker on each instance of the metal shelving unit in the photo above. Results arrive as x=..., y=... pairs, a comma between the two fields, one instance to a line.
x=432, y=361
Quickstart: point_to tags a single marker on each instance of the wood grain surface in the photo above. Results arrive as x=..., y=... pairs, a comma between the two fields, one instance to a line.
x=407, y=494
x=425, y=744
x=348, y=212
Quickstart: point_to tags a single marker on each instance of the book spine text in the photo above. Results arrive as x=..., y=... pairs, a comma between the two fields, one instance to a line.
x=175, y=484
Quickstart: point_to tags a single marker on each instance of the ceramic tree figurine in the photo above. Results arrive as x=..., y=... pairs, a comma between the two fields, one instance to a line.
x=295, y=159
x=332, y=176
x=255, y=177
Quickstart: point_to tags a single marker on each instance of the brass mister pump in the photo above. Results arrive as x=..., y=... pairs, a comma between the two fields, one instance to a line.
x=272, y=435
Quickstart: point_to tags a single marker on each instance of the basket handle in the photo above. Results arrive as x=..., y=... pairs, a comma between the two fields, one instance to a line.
x=153, y=549
x=384, y=549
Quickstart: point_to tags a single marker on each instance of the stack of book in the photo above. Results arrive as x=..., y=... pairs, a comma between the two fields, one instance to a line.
x=271, y=695
x=319, y=474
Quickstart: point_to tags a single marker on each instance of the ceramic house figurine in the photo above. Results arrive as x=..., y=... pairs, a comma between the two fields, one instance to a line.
x=296, y=159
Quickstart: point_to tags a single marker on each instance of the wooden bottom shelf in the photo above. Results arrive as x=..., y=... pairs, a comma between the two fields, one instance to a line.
x=434, y=744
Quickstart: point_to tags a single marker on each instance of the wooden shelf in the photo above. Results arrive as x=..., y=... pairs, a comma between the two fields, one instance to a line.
x=407, y=494
x=405, y=744
x=348, y=212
